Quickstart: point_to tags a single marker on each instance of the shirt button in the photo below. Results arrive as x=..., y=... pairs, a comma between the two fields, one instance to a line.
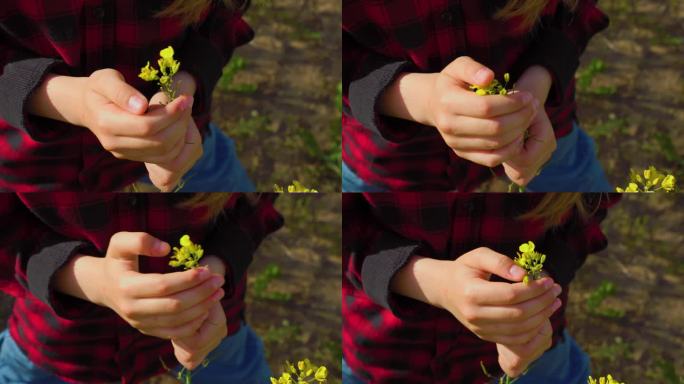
x=99, y=13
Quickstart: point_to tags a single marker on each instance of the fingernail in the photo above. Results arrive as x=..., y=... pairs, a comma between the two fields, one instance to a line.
x=136, y=103
x=517, y=272
x=204, y=273
x=536, y=103
x=219, y=294
x=482, y=76
x=547, y=283
x=183, y=104
x=556, y=305
x=160, y=246
x=557, y=290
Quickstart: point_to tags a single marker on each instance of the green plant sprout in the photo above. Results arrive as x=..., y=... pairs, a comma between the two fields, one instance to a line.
x=603, y=380
x=531, y=261
x=505, y=379
x=188, y=255
x=304, y=372
x=295, y=187
x=494, y=88
x=649, y=180
x=596, y=298
x=263, y=280
x=168, y=66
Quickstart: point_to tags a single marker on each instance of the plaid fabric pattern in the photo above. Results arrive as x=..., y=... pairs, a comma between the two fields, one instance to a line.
x=76, y=39
x=80, y=341
x=385, y=37
x=415, y=342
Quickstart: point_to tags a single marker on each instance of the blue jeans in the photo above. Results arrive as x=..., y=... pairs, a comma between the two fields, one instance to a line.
x=573, y=167
x=566, y=363
x=238, y=359
x=218, y=170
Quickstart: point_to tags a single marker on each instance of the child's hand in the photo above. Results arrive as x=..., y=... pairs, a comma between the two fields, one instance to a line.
x=496, y=311
x=540, y=144
x=514, y=359
x=118, y=115
x=191, y=350
x=163, y=305
x=485, y=130
x=165, y=173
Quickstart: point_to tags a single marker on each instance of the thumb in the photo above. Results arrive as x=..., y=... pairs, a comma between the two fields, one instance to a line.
x=112, y=85
x=469, y=71
x=488, y=263
x=127, y=246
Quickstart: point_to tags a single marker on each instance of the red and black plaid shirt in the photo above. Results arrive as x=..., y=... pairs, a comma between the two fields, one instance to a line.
x=76, y=39
x=82, y=342
x=384, y=38
x=388, y=338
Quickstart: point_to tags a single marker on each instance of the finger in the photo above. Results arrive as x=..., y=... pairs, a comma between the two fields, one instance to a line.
x=517, y=339
x=156, y=119
x=187, y=315
x=531, y=324
x=492, y=158
x=464, y=102
x=112, y=85
x=519, y=312
x=167, y=175
x=128, y=245
x=186, y=330
x=505, y=128
x=486, y=262
x=155, y=285
x=500, y=293
x=469, y=71
x=181, y=301
x=213, y=329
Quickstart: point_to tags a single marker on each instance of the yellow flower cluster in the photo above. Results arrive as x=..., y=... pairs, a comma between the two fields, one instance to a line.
x=303, y=373
x=530, y=260
x=603, y=380
x=188, y=255
x=295, y=187
x=168, y=66
x=650, y=180
x=495, y=88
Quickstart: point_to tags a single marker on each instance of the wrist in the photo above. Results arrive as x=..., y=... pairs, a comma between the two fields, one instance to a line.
x=81, y=278
x=421, y=279
x=408, y=97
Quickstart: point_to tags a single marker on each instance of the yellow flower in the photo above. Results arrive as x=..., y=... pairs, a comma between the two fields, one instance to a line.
x=148, y=73
x=188, y=255
x=321, y=374
x=530, y=260
x=669, y=183
x=167, y=53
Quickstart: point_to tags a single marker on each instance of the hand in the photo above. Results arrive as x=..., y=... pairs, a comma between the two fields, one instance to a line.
x=540, y=144
x=192, y=350
x=118, y=115
x=165, y=173
x=163, y=305
x=486, y=130
x=498, y=312
x=514, y=359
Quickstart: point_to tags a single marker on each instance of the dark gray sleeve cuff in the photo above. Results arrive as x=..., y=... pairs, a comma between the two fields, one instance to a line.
x=17, y=83
x=379, y=268
x=377, y=74
x=40, y=272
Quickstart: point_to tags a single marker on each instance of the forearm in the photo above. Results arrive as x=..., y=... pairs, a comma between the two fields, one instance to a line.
x=407, y=96
x=537, y=80
x=79, y=278
x=58, y=98
x=421, y=279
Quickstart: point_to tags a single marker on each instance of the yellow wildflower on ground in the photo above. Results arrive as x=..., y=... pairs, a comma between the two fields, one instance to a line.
x=603, y=380
x=295, y=187
x=302, y=373
x=649, y=180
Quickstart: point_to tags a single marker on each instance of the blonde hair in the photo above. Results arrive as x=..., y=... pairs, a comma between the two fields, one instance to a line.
x=190, y=11
x=554, y=208
x=528, y=10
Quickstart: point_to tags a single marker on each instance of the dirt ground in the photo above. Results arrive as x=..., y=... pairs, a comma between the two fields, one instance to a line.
x=645, y=262
x=281, y=106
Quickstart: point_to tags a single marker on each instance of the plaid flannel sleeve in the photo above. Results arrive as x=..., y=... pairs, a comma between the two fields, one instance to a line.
x=560, y=41
x=208, y=48
x=238, y=233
